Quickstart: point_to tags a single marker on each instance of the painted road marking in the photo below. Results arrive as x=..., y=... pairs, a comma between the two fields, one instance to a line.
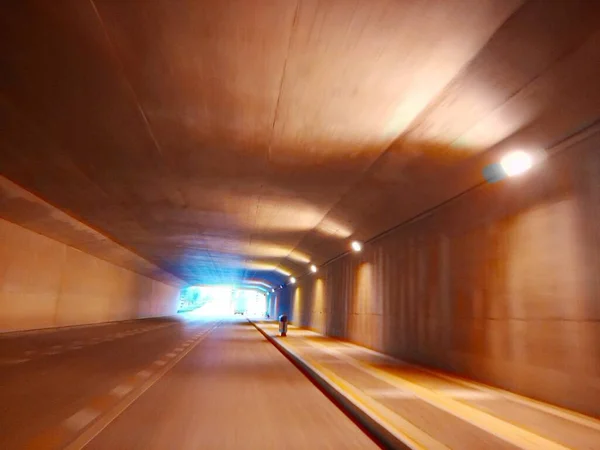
x=29, y=352
x=12, y=362
x=514, y=434
x=547, y=408
x=121, y=390
x=462, y=394
x=87, y=435
x=56, y=347
x=178, y=349
x=144, y=374
x=389, y=393
x=467, y=394
x=171, y=355
x=81, y=419
x=160, y=362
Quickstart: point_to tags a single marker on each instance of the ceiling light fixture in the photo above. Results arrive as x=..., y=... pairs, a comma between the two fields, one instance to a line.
x=292, y=280
x=313, y=268
x=356, y=246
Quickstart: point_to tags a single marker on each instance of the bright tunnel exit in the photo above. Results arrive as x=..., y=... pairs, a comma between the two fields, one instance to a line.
x=222, y=301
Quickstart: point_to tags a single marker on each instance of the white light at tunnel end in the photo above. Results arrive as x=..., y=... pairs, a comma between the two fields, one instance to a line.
x=313, y=268
x=516, y=163
x=292, y=280
x=356, y=246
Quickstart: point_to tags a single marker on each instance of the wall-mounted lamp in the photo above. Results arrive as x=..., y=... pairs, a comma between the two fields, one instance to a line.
x=356, y=246
x=292, y=280
x=516, y=163
x=512, y=164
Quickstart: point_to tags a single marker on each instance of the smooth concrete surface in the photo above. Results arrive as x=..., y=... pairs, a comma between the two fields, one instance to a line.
x=499, y=285
x=210, y=383
x=21, y=207
x=45, y=283
x=242, y=139
x=315, y=122
x=431, y=409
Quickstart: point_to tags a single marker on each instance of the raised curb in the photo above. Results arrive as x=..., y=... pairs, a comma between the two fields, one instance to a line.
x=378, y=432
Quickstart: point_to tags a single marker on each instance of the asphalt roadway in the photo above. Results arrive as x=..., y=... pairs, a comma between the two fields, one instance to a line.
x=185, y=383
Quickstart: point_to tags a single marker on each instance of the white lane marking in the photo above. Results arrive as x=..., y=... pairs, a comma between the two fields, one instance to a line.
x=29, y=352
x=463, y=394
x=92, y=431
x=171, y=355
x=179, y=349
x=160, y=362
x=121, y=390
x=389, y=393
x=12, y=362
x=76, y=347
x=51, y=353
x=81, y=418
x=467, y=394
x=144, y=374
x=56, y=347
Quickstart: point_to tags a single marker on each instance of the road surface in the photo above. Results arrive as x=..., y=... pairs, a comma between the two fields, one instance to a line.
x=162, y=383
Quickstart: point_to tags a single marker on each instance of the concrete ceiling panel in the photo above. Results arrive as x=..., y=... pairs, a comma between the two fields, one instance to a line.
x=237, y=139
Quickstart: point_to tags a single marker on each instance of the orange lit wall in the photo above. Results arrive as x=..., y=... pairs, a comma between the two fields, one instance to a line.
x=45, y=283
x=501, y=285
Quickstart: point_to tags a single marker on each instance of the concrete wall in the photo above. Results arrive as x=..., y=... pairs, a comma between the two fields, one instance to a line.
x=45, y=283
x=281, y=302
x=502, y=285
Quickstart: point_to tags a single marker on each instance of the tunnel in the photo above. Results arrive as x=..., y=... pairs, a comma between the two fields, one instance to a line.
x=397, y=201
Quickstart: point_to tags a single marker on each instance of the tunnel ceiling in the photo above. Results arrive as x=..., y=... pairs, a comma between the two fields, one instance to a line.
x=222, y=139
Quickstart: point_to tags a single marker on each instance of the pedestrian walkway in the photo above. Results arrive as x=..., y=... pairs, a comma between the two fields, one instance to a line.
x=426, y=409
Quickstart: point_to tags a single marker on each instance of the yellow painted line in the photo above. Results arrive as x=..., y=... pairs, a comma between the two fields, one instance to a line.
x=395, y=424
x=558, y=411
x=402, y=429
x=563, y=413
x=504, y=430
x=102, y=422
